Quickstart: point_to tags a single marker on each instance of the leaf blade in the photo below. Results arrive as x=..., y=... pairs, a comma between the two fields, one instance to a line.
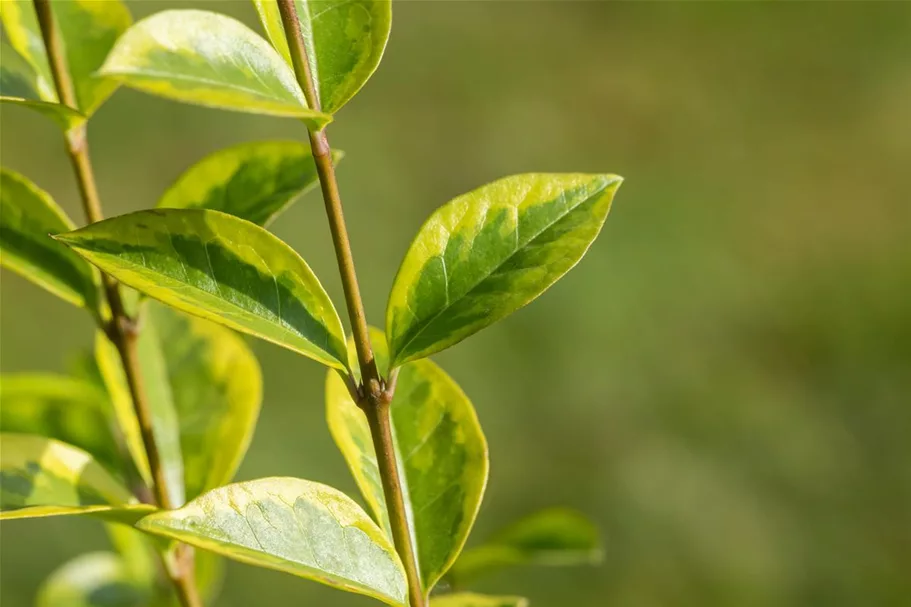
x=221, y=268
x=28, y=215
x=291, y=525
x=208, y=59
x=441, y=450
x=44, y=477
x=485, y=254
x=63, y=408
x=94, y=579
x=254, y=181
x=217, y=388
x=470, y=599
x=554, y=536
x=344, y=39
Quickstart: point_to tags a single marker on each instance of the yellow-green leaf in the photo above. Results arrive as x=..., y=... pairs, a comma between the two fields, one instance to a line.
x=208, y=59
x=44, y=477
x=291, y=525
x=487, y=253
x=470, y=599
x=95, y=579
x=19, y=86
x=344, y=39
x=217, y=388
x=441, y=450
x=88, y=29
x=28, y=216
x=64, y=408
x=556, y=536
x=254, y=181
x=159, y=400
x=222, y=268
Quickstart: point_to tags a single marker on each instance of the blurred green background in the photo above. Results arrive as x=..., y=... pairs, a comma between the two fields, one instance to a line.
x=723, y=383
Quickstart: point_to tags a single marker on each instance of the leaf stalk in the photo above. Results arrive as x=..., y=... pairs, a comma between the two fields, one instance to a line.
x=122, y=330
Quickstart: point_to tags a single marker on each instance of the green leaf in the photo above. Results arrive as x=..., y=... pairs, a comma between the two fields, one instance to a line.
x=291, y=525
x=208, y=59
x=487, y=253
x=44, y=477
x=470, y=599
x=344, y=39
x=556, y=536
x=254, y=181
x=88, y=28
x=96, y=579
x=221, y=268
x=160, y=402
x=217, y=389
x=19, y=86
x=28, y=215
x=60, y=407
x=441, y=450
x=22, y=30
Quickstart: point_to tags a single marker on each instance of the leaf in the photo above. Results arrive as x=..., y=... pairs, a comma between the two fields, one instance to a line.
x=160, y=402
x=470, y=599
x=217, y=389
x=44, y=477
x=60, y=407
x=254, y=181
x=88, y=29
x=208, y=59
x=487, y=253
x=221, y=268
x=344, y=39
x=556, y=536
x=28, y=215
x=291, y=525
x=96, y=579
x=24, y=35
x=441, y=451
x=19, y=86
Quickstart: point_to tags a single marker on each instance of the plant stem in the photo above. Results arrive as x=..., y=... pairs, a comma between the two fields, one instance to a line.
x=380, y=430
x=322, y=156
x=122, y=330
x=374, y=397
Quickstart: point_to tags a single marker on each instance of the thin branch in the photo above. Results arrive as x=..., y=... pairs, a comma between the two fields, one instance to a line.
x=121, y=329
x=374, y=397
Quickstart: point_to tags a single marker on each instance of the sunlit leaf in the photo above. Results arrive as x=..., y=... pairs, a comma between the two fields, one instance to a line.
x=96, y=579
x=64, y=408
x=344, y=39
x=556, y=536
x=217, y=389
x=470, y=599
x=442, y=453
x=160, y=402
x=292, y=525
x=254, y=181
x=28, y=216
x=222, y=268
x=44, y=477
x=487, y=253
x=208, y=59
x=88, y=29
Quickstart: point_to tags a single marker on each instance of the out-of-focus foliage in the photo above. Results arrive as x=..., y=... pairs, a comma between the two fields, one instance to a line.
x=725, y=386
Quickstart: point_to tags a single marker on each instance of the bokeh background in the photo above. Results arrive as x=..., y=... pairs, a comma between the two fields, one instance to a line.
x=724, y=383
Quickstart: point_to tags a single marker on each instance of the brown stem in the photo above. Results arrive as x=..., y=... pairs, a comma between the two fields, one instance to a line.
x=373, y=397
x=121, y=330
x=322, y=156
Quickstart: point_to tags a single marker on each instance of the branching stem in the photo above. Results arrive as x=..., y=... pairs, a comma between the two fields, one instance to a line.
x=121, y=329
x=374, y=395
